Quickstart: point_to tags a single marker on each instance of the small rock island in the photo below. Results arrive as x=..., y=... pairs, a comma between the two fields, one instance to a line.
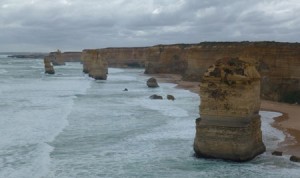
x=229, y=126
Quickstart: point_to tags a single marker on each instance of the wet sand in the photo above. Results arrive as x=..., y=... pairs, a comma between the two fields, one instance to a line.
x=289, y=122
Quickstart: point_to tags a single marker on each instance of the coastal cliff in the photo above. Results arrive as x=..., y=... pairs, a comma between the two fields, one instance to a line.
x=94, y=64
x=166, y=59
x=278, y=63
x=59, y=58
x=124, y=57
x=229, y=127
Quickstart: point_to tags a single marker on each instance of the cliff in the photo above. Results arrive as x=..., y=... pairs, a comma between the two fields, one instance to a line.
x=166, y=59
x=229, y=127
x=94, y=64
x=59, y=58
x=278, y=63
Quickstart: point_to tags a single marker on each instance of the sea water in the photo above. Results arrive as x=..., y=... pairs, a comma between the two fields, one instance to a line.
x=69, y=125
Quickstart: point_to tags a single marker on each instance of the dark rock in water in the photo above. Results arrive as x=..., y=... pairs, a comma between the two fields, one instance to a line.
x=170, y=97
x=155, y=97
x=277, y=153
x=295, y=158
x=125, y=89
x=152, y=83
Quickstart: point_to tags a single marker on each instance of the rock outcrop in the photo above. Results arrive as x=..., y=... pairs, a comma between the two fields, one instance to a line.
x=229, y=127
x=156, y=97
x=94, y=64
x=277, y=153
x=48, y=66
x=170, y=97
x=152, y=83
x=295, y=159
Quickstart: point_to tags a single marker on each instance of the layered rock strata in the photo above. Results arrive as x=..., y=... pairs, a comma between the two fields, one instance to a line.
x=48, y=66
x=166, y=59
x=94, y=64
x=278, y=63
x=229, y=127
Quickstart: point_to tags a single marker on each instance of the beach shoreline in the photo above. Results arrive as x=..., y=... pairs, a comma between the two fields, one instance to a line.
x=288, y=122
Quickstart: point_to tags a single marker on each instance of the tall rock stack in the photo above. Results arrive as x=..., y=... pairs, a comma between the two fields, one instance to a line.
x=48, y=66
x=229, y=127
x=94, y=64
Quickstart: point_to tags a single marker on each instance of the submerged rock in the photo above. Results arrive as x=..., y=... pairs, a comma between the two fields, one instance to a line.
x=277, y=153
x=295, y=158
x=152, y=83
x=229, y=127
x=170, y=97
x=155, y=97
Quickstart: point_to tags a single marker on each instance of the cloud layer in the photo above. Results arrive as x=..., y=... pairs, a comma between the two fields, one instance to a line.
x=46, y=25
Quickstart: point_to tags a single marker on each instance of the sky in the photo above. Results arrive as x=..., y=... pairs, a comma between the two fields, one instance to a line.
x=73, y=25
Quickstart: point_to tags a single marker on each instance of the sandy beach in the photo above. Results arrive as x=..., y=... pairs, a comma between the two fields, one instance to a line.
x=288, y=122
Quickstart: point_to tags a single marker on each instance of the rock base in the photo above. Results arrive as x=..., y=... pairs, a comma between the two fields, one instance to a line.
x=240, y=143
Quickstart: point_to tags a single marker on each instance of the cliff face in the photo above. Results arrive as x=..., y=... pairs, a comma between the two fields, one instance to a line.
x=229, y=127
x=124, y=57
x=166, y=59
x=94, y=64
x=71, y=56
x=278, y=63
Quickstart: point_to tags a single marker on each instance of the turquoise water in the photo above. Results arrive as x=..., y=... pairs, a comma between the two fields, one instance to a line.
x=69, y=125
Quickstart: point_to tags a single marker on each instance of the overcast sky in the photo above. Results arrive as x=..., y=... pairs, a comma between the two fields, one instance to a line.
x=47, y=25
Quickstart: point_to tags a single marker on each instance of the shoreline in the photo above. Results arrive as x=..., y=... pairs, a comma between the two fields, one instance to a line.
x=288, y=122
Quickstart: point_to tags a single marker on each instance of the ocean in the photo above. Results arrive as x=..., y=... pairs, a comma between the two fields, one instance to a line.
x=68, y=125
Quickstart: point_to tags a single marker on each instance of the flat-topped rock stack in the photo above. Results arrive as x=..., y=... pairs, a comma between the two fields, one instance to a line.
x=94, y=64
x=229, y=127
x=48, y=66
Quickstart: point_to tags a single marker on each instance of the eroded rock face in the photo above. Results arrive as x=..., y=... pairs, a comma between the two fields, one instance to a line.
x=94, y=64
x=229, y=127
x=166, y=59
x=48, y=66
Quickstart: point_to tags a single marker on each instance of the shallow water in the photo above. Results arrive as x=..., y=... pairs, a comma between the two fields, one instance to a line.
x=69, y=125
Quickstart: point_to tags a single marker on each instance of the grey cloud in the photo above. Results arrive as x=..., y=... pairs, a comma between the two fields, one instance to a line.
x=77, y=24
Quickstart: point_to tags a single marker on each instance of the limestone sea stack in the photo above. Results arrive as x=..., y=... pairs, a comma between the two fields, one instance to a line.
x=48, y=66
x=94, y=64
x=229, y=126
